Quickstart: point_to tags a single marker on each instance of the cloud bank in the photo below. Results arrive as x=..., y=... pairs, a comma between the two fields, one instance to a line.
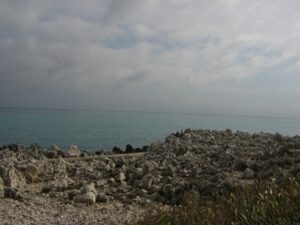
x=223, y=56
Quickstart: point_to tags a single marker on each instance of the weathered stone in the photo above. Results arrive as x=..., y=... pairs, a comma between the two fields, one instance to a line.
x=31, y=173
x=53, y=168
x=139, y=172
x=73, y=151
x=149, y=166
x=73, y=193
x=120, y=177
x=54, y=152
x=101, y=198
x=248, y=174
x=101, y=183
x=111, y=180
x=147, y=181
x=13, y=178
x=88, y=188
x=59, y=184
x=87, y=198
x=13, y=193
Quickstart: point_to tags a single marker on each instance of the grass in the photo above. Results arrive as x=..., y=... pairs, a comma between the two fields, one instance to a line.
x=265, y=203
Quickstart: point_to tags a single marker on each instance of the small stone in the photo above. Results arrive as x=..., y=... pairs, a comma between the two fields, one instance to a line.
x=147, y=181
x=101, y=198
x=73, y=151
x=111, y=180
x=13, y=193
x=248, y=174
x=101, y=183
x=139, y=172
x=120, y=177
x=59, y=184
x=89, y=188
x=73, y=193
x=87, y=198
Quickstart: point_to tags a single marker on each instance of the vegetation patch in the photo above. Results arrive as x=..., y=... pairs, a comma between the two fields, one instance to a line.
x=273, y=202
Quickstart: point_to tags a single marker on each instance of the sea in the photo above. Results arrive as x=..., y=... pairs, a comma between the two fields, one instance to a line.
x=102, y=130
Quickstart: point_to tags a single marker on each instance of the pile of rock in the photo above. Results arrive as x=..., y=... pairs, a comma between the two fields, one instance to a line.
x=204, y=161
x=211, y=162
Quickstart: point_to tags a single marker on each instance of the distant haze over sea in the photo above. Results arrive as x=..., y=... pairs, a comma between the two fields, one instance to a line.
x=95, y=130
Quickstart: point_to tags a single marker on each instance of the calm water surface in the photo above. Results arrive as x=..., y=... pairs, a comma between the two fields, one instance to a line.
x=94, y=130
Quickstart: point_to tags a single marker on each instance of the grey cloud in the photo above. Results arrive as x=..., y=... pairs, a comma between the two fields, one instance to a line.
x=136, y=54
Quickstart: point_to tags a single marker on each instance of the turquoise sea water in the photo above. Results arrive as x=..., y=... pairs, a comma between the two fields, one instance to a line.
x=95, y=130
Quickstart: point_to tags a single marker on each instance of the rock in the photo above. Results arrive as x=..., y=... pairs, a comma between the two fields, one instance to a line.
x=59, y=184
x=149, y=166
x=101, y=183
x=111, y=180
x=248, y=174
x=208, y=162
x=120, y=177
x=88, y=188
x=35, y=151
x=101, y=198
x=1, y=188
x=13, y=178
x=13, y=193
x=87, y=198
x=73, y=151
x=73, y=193
x=53, y=168
x=147, y=181
x=139, y=172
x=54, y=152
x=54, y=148
x=31, y=173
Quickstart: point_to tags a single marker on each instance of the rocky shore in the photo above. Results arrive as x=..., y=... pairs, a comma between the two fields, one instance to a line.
x=53, y=186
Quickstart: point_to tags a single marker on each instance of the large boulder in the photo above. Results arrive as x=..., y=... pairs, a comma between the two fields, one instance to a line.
x=13, y=178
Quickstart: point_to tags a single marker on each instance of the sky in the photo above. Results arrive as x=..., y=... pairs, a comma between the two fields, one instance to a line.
x=197, y=56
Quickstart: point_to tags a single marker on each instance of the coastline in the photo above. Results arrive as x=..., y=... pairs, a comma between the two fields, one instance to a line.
x=90, y=188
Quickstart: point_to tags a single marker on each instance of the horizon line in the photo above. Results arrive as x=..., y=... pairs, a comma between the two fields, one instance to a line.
x=141, y=111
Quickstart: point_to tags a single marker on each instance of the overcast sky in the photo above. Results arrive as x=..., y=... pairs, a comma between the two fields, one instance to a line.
x=221, y=56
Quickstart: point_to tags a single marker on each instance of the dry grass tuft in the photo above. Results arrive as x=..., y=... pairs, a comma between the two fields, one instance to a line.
x=273, y=202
